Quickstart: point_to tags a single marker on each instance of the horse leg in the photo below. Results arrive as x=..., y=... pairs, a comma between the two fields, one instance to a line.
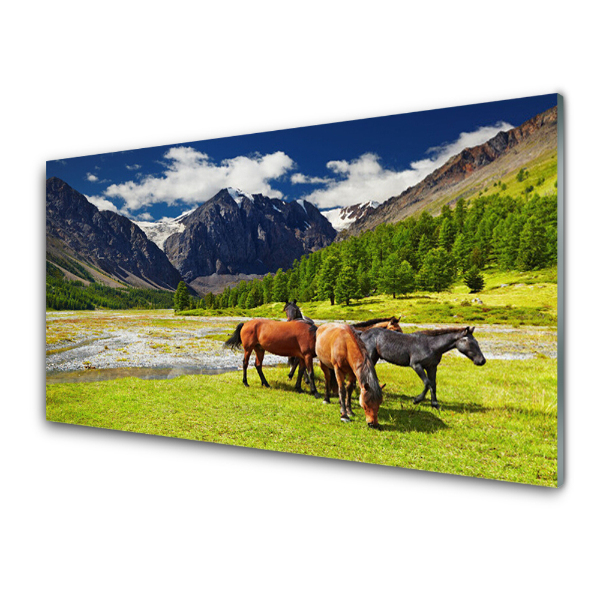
x=421, y=373
x=308, y=360
x=342, y=392
x=351, y=387
x=431, y=375
x=247, y=354
x=327, y=375
x=293, y=363
x=260, y=354
x=301, y=372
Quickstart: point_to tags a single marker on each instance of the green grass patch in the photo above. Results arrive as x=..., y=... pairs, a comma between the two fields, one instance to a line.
x=498, y=421
x=509, y=298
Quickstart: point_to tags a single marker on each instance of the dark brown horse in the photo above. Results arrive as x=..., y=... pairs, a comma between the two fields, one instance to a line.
x=392, y=323
x=293, y=313
x=340, y=350
x=284, y=338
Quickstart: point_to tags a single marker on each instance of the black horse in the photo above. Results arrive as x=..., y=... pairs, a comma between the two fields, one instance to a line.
x=422, y=351
x=293, y=312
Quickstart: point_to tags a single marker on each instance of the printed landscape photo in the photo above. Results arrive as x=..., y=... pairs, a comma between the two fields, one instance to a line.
x=383, y=290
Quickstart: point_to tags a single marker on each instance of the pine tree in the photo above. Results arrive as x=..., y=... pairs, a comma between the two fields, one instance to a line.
x=406, y=279
x=425, y=246
x=474, y=280
x=437, y=272
x=327, y=278
x=280, y=289
x=181, y=299
x=447, y=234
x=391, y=268
x=268, y=289
x=531, y=246
x=459, y=215
x=346, y=286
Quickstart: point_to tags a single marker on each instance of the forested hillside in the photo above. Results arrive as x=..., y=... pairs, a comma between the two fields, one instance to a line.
x=510, y=232
x=63, y=294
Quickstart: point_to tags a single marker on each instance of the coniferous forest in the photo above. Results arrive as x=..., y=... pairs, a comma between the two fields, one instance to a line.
x=64, y=294
x=425, y=253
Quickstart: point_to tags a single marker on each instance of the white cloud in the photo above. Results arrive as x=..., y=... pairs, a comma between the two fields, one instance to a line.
x=102, y=203
x=133, y=167
x=191, y=177
x=145, y=216
x=91, y=177
x=301, y=178
x=364, y=179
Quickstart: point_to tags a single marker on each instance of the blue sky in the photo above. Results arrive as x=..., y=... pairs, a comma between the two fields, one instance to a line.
x=332, y=165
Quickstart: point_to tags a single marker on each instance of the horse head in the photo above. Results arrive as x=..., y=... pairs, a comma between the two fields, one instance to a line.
x=371, y=393
x=394, y=324
x=468, y=346
x=292, y=311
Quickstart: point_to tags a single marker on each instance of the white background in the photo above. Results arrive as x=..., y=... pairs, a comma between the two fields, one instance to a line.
x=97, y=514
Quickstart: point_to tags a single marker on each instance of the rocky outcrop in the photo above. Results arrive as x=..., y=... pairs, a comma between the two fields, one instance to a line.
x=105, y=239
x=237, y=233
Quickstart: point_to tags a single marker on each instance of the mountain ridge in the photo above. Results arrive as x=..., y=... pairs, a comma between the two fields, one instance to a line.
x=241, y=234
x=527, y=141
x=111, y=243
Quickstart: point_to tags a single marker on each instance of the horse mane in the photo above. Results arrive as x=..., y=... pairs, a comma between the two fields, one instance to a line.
x=434, y=332
x=366, y=373
x=371, y=322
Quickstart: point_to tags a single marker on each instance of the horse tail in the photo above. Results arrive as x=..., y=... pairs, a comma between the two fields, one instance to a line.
x=235, y=341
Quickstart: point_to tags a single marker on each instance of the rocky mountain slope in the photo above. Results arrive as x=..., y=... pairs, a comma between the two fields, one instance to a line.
x=236, y=233
x=103, y=243
x=469, y=172
x=342, y=218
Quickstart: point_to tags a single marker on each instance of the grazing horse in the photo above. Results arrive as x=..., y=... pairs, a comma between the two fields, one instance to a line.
x=293, y=312
x=284, y=338
x=391, y=323
x=340, y=350
x=422, y=351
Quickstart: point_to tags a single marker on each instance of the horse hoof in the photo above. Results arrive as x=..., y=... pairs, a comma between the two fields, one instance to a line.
x=266, y=385
x=345, y=419
x=245, y=384
x=351, y=414
x=326, y=401
x=435, y=405
x=316, y=394
x=298, y=391
x=417, y=400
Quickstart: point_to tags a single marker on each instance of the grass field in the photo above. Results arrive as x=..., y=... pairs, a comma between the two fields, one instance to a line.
x=512, y=298
x=497, y=421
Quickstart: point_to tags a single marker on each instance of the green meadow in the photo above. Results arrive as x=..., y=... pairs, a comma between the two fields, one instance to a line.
x=497, y=421
x=509, y=298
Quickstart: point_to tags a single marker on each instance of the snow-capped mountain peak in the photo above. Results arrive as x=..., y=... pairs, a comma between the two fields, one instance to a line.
x=343, y=217
x=159, y=231
x=238, y=196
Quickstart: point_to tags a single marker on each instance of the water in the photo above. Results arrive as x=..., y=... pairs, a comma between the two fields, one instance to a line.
x=91, y=375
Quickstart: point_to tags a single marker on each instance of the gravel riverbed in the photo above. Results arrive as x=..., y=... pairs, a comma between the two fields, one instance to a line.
x=159, y=340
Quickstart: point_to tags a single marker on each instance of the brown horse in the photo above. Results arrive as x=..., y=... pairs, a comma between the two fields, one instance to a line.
x=391, y=323
x=284, y=338
x=340, y=349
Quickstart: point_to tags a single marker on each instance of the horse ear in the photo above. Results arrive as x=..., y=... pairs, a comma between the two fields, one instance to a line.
x=471, y=329
x=294, y=301
x=383, y=385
